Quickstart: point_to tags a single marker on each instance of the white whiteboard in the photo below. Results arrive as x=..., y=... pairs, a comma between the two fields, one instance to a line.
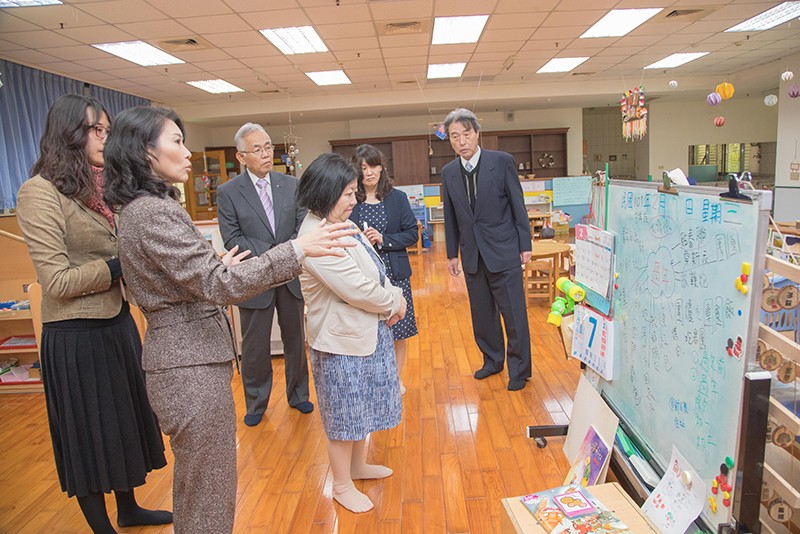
x=572, y=191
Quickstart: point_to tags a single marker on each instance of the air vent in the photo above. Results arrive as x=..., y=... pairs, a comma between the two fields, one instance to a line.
x=184, y=44
x=686, y=14
x=584, y=73
x=407, y=82
x=405, y=27
x=269, y=92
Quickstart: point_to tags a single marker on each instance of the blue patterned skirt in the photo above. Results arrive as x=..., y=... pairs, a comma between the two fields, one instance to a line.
x=358, y=394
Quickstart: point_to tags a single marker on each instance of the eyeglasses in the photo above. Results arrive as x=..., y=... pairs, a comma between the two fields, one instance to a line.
x=259, y=150
x=100, y=131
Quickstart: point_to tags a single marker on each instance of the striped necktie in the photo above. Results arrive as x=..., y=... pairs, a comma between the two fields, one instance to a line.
x=266, y=201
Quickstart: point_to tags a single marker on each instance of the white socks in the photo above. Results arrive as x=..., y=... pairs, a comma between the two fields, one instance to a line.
x=347, y=464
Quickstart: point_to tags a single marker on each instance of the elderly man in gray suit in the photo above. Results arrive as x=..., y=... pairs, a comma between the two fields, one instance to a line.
x=486, y=221
x=257, y=211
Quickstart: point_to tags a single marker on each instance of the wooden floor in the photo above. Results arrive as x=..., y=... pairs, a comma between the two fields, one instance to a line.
x=459, y=450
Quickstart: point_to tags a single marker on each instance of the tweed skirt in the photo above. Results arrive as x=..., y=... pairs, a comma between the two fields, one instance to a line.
x=358, y=394
x=104, y=433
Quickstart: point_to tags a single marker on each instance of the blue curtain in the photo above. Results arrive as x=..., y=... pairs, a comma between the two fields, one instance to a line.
x=25, y=98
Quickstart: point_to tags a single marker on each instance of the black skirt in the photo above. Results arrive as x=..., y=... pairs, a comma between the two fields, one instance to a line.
x=105, y=435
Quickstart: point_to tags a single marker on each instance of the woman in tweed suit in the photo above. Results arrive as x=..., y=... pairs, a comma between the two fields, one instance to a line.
x=351, y=307
x=105, y=437
x=180, y=283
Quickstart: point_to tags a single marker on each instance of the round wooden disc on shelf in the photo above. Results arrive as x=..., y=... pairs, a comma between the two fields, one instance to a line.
x=761, y=347
x=787, y=372
x=770, y=429
x=767, y=493
x=769, y=300
x=789, y=297
x=771, y=359
x=782, y=437
x=780, y=511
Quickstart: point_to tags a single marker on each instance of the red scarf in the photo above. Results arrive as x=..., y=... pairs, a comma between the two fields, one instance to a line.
x=96, y=202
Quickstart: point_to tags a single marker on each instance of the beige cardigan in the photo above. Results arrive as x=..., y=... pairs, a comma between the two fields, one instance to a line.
x=345, y=299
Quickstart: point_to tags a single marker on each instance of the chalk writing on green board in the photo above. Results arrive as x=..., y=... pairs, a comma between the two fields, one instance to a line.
x=677, y=312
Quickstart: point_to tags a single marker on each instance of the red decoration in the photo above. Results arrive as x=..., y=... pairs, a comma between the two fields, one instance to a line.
x=719, y=121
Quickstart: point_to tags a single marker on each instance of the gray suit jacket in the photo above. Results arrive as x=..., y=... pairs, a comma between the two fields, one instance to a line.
x=498, y=229
x=243, y=222
x=180, y=282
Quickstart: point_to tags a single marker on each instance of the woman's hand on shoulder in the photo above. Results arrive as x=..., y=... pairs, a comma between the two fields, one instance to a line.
x=232, y=258
x=323, y=240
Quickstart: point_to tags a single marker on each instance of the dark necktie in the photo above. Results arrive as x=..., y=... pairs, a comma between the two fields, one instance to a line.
x=471, y=183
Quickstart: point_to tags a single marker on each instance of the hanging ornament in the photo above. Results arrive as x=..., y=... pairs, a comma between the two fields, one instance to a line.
x=719, y=121
x=787, y=76
x=634, y=114
x=725, y=90
x=794, y=91
x=713, y=99
x=673, y=83
x=770, y=100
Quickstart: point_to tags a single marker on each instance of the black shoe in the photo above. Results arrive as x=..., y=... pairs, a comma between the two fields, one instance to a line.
x=483, y=372
x=304, y=407
x=252, y=419
x=516, y=385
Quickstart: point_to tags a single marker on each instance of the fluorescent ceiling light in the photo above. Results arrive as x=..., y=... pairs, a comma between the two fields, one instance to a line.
x=455, y=30
x=445, y=70
x=770, y=18
x=216, y=86
x=561, y=64
x=139, y=52
x=28, y=3
x=297, y=40
x=329, y=77
x=676, y=60
x=619, y=22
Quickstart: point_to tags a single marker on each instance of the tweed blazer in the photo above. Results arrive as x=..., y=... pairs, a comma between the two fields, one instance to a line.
x=345, y=299
x=69, y=244
x=401, y=231
x=180, y=282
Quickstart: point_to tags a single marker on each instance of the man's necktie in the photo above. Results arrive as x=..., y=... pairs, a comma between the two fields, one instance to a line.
x=471, y=185
x=266, y=201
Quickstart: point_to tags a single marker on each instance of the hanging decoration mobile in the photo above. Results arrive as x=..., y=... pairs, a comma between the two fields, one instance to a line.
x=634, y=114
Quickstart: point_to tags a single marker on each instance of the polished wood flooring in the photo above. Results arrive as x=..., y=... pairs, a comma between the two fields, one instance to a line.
x=459, y=450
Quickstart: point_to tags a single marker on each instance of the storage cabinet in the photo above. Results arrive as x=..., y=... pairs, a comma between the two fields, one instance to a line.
x=347, y=147
x=208, y=172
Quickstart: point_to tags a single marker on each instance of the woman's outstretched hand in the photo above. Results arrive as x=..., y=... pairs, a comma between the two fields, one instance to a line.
x=323, y=240
x=231, y=258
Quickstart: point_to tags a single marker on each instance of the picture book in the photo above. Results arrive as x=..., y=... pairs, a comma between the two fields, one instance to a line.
x=590, y=460
x=588, y=515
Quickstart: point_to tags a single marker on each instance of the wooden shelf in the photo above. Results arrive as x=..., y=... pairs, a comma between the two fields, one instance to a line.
x=30, y=350
x=15, y=315
x=22, y=387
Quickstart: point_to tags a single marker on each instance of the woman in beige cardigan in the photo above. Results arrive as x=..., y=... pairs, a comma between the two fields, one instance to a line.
x=351, y=305
x=180, y=283
x=105, y=437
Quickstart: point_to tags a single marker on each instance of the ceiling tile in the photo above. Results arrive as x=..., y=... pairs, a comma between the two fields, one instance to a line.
x=263, y=49
x=585, y=18
x=244, y=6
x=525, y=6
x=39, y=39
x=519, y=34
x=108, y=63
x=410, y=51
x=265, y=61
x=213, y=66
x=10, y=23
x=75, y=52
x=155, y=29
x=8, y=45
x=392, y=41
x=401, y=10
x=365, y=60
x=283, y=18
x=580, y=5
x=30, y=56
x=452, y=8
x=343, y=13
x=561, y=34
x=240, y=38
x=306, y=59
x=345, y=31
x=195, y=8
x=98, y=34
x=125, y=11
x=504, y=21
x=202, y=55
x=52, y=17
x=217, y=23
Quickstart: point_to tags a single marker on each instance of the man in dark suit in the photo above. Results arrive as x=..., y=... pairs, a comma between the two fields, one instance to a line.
x=486, y=220
x=257, y=211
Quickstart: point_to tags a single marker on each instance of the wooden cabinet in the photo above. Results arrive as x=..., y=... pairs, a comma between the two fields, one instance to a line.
x=208, y=172
x=419, y=159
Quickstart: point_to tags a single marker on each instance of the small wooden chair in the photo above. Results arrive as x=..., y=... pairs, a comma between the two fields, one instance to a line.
x=540, y=278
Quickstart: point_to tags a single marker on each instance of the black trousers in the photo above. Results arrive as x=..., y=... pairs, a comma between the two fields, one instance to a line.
x=492, y=295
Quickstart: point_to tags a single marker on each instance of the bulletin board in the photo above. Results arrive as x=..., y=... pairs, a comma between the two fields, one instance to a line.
x=685, y=334
x=572, y=190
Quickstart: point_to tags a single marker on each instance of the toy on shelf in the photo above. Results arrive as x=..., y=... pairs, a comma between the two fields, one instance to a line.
x=565, y=305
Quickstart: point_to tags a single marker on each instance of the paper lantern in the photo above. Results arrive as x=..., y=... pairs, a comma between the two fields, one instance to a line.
x=713, y=99
x=673, y=83
x=719, y=121
x=770, y=100
x=794, y=91
x=787, y=76
x=725, y=90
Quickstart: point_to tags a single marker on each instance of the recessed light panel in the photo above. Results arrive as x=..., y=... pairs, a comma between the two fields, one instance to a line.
x=216, y=86
x=296, y=40
x=676, y=60
x=329, y=77
x=457, y=30
x=28, y=3
x=445, y=70
x=139, y=52
x=619, y=22
x=561, y=64
x=769, y=19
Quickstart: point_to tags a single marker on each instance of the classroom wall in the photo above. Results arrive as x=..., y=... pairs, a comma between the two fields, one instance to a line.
x=673, y=126
x=602, y=129
x=788, y=150
x=316, y=136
